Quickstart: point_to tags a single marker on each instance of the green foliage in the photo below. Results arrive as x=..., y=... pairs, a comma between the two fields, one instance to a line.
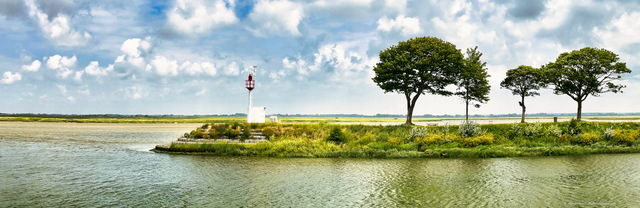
x=473, y=141
x=586, y=139
x=524, y=81
x=470, y=129
x=418, y=66
x=501, y=140
x=472, y=83
x=337, y=136
x=585, y=72
x=574, y=127
x=609, y=133
x=268, y=132
x=417, y=132
x=625, y=136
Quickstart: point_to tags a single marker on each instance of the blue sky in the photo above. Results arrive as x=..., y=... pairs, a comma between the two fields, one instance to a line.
x=313, y=56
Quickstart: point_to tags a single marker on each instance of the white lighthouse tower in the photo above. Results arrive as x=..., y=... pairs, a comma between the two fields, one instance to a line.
x=254, y=114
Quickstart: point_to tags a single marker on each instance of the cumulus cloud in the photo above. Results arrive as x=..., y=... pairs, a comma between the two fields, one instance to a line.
x=62, y=65
x=277, y=17
x=94, y=69
x=408, y=26
x=33, y=67
x=163, y=66
x=198, y=68
x=136, y=52
x=337, y=61
x=622, y=33
x=58, y=28
x=197, y=17
x=10, y=77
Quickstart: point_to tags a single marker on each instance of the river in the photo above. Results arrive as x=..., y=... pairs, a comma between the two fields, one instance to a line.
x=109, y=165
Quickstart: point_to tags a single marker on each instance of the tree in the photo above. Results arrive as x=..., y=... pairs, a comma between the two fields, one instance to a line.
x=472, y=82
x=418, y=66
x=523, y=81
x=584, y=72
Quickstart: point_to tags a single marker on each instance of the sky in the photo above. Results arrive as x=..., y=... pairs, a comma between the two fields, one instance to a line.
x=312, y=56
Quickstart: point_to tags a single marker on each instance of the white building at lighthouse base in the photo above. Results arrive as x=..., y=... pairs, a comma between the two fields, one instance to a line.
x=256, y=115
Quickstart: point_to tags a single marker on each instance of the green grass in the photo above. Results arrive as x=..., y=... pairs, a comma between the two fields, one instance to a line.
x=370, y=141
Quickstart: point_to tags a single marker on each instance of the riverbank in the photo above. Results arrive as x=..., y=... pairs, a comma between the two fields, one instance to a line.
x=463, y=141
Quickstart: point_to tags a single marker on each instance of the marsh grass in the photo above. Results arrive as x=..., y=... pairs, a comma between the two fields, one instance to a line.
x=497, y=140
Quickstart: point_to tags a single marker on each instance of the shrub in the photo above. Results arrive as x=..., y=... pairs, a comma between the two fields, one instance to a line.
x=553, y=130
x=586, y=139
x=625, y=137
x=534, y=130
x=485, y=139
x=198, y=133
x=416, y=132
x=608, y=133
x=430, y=139
x=574, y=127
x=470, y=129
x=395, y=140
x=337, y=136
x=268, y=132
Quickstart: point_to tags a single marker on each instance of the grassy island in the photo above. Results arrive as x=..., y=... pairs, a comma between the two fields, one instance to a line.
x=365, y=141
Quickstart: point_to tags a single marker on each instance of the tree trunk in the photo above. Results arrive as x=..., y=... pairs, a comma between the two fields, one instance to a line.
x=411, y=103
x=579, y=116
x=409, y=115
x=524, y=110
x=467, y=111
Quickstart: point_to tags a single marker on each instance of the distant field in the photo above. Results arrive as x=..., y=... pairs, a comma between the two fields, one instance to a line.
x=198, y=119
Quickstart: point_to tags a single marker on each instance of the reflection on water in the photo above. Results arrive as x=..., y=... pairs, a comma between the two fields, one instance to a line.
x=55, y=164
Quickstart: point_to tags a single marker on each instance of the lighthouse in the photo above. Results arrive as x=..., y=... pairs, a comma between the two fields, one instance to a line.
x=254, y=114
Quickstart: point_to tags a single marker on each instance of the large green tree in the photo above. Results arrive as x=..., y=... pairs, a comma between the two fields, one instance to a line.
x=585, y=72
x=418, y=66
x=523, y=81
x=473, y=85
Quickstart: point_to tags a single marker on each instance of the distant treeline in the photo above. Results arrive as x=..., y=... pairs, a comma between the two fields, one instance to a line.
x=39, y=115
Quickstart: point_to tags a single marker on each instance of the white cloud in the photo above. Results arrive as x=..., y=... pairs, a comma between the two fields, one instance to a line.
x=94, y=69
x=197, y=17
x=58, y=29
x=10, y=78
x=622, y=32
x=163, y=66
x=62, y=65
x=71, y=99
x=406, y=25
x=277, y=17
x=33, y=67
x=137, y=47
x=300, y=65
x=78, y=76
x=198, y=68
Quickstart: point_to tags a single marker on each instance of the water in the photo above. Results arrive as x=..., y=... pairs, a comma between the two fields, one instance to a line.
x=106, y=165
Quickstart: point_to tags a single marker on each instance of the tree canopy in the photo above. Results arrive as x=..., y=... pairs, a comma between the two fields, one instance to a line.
x=418, y=66
x=473, y=85
x=523, y=81
x=585, y=72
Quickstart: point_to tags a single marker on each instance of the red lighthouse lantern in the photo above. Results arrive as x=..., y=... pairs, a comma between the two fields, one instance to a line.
x=250, y=83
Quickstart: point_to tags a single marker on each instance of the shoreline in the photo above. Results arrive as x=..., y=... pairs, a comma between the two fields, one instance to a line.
x=371, y=141
x=478, y=152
